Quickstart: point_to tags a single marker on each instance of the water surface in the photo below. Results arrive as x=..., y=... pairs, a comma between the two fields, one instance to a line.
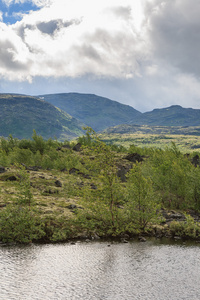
x=99, y=270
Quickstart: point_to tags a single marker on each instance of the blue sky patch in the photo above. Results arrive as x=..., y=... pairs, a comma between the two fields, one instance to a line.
x=11, y=13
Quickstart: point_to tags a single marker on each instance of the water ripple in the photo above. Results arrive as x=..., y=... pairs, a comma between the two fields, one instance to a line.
x=95, y=271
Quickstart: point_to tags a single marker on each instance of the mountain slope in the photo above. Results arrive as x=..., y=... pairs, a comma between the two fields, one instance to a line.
x=174, y=115
x=95, y=111
x=20, y=114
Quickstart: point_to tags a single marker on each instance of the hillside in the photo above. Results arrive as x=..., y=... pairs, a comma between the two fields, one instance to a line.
x=20, y=114
x=95, y=111
x=147, y=129
x=174, y=115
x=101, y=113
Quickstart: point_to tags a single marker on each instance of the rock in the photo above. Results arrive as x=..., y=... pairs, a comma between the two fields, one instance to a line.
x=195, y=160
x=172, y=215
x=176, y=237
x=95, y=237
x=34, y=168
x=77, y=147
x=58, y=183
x=73, y=171
x=134, y=157
x=194, y=214
x=86, y=176
x=142, y=239
x=2, y=169
x=124, y=236
x=124, y=240
x=50, y=191
x=72, y=206
x=177, y=216
x=77, y=171
x=122, y=171
x=93, y=186
x=11, y=178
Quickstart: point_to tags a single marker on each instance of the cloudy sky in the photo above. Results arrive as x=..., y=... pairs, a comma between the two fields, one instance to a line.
x=144, y=53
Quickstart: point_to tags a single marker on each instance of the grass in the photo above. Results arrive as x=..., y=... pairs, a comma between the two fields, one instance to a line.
x=185, y=143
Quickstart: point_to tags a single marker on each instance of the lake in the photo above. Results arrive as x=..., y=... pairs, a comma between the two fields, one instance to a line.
x=101, y=270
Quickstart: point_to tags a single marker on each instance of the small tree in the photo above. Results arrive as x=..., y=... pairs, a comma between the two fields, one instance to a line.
x=39, y=144
x=25, y=196
x=103, y=202
x=142, y=202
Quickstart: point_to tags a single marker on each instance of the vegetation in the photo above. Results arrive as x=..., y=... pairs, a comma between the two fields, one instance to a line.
x=53, y=191
x=95, y=111
x=187, y=139
x=19, y=114
x=174, y=115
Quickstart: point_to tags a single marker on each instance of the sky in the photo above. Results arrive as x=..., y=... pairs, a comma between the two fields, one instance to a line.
x=143, y=53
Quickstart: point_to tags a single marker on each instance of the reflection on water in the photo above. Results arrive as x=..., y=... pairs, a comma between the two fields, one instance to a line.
x=95, y=271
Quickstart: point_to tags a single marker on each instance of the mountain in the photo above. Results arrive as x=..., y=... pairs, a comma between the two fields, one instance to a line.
x=174, y=115
x=95, y=111
x=63, y=116
x=20, y=114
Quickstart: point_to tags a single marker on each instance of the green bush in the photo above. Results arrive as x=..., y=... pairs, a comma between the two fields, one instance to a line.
x=20, y=224
x=187, y=229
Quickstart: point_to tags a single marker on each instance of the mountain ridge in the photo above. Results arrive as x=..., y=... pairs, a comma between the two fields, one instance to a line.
x=95, y=111
x=174, y=115
x=20, y=114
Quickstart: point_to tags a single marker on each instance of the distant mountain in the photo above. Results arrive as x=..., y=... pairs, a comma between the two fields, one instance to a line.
x=174, y=115
x=63, y=116
x=95, y=111
x=20, y=114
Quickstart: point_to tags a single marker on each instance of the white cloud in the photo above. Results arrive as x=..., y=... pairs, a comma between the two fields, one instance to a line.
x=152, y=53
x=74, y=38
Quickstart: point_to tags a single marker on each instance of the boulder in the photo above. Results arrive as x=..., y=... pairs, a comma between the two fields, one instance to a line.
x=122, y=171
x=142, y=239
x=195, y=160
x=11, y=178
x=58, y=183
x=134, y=157
x=77, y=147
x=72, y=206
x=73, y=171
x=93, y=186
x=2, y=169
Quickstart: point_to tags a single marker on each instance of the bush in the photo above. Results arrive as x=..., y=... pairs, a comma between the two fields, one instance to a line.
x=19, y=224
x=187, y=229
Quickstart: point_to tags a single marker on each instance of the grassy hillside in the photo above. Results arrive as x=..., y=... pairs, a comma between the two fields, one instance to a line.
x=51, y=192
x=20, y=114
x=95, y=111
x=101, y=113
x=174, y=115
x=186, y=138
